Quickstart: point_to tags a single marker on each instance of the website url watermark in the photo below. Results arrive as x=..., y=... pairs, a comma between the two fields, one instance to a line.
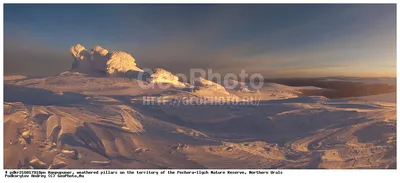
x=200, y=101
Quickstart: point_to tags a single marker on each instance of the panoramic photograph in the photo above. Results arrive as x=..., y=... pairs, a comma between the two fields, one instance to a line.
x=199, y=86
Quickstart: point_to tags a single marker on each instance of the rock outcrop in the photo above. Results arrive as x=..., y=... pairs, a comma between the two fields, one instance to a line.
x=202, y=85
x=101, y=61
x=81, y=57
x=99, y=58
x=162, y=76
x=120, y=62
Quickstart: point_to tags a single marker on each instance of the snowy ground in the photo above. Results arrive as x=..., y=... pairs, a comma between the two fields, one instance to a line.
x=74, y=121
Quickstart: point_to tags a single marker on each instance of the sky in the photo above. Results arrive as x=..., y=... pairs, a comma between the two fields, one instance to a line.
x=275, y=40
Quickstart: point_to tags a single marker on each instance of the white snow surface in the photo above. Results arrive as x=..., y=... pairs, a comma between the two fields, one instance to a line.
x=76, y=121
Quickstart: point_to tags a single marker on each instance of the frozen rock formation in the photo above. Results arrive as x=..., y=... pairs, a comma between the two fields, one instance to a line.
x=81, y=58
x=99, y=51
x=162, y=76
x=120, y=62
x=100, y=60
x=201, y=84
x=79, y=52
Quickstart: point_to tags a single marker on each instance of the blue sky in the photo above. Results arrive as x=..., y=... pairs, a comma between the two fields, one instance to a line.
x=276, y=40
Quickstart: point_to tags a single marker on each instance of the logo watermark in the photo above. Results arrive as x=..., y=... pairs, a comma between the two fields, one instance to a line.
x=229, y=80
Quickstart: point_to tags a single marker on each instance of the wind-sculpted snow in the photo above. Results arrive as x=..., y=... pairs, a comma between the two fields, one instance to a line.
x=106, y=122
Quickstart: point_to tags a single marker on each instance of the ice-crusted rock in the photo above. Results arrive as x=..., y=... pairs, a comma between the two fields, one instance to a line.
x=99, y=51
x=99, y=58
x=120, y=62
x=81, y=56
x=201, y=84
x=162, y=76
x=79, y=52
